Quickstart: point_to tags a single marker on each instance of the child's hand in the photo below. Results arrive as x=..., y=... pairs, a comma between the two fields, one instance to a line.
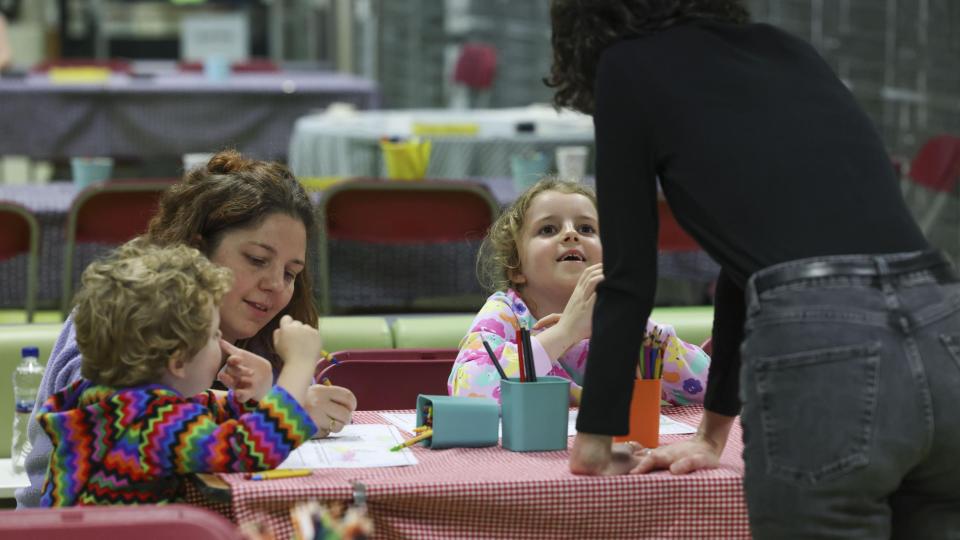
x=296, y=342
x=547, y=322
x=250, y=376
x=577, y=317
x=330, y=407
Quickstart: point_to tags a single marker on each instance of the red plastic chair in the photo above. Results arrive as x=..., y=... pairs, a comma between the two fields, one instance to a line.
x=167, y=522
x=109, y=213
x=385, y=379
x=672, y=237
x=936, y=169
x=20, y=236
x=372, y=217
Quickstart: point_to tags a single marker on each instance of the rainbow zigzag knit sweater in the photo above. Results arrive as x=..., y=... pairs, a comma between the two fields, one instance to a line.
x=133, y=445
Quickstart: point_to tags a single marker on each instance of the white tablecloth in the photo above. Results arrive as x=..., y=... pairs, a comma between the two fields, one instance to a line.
x=346, y=143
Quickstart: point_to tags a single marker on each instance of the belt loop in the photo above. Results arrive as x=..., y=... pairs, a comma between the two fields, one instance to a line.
x=883, y=268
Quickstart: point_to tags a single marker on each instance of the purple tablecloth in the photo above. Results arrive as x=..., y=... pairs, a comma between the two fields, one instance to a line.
x=168, y=114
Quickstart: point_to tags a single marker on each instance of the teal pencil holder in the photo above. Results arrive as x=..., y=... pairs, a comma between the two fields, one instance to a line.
x=535, y=414
x=459, y=421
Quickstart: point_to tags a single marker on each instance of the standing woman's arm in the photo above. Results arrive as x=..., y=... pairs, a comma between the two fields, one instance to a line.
x=627, y=201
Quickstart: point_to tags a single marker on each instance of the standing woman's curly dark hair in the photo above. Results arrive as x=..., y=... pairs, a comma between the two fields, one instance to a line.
x=582, y=29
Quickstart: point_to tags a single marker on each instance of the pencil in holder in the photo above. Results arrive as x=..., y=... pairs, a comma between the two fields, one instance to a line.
x=458, y=421
x=644, y=414
x=535, y=414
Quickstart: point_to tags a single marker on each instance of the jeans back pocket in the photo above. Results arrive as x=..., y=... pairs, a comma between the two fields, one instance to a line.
x=817, y=409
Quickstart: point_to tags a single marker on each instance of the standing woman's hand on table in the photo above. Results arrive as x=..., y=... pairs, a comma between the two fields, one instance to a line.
x=702, y=451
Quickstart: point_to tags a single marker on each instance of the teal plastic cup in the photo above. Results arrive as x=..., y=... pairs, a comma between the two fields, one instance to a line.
x=527, y=169
x=88, y=171
x=535, y=414
x=468, y=422
x=216, y=68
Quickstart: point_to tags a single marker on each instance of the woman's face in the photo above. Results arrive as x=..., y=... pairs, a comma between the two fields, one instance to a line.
x=265, y=260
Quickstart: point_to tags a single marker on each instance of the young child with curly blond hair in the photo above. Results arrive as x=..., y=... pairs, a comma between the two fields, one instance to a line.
x=148, y=327
x=543, y=258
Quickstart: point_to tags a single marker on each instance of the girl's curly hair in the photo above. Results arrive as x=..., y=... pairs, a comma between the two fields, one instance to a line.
x=582, y=29
x=499, y=257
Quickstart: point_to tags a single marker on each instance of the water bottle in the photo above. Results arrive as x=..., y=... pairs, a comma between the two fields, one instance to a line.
x=26, y=384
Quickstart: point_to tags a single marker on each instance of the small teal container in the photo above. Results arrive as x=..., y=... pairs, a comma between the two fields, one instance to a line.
x=90, y=170
x=527, y=169
x=535, y=414
x=460, y=421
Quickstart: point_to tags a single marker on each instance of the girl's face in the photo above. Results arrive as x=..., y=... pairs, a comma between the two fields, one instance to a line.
x=264, y=260
x=559, y=239
x=201, y=370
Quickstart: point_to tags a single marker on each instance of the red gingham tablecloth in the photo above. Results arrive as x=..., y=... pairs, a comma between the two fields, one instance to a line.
x=494, y=493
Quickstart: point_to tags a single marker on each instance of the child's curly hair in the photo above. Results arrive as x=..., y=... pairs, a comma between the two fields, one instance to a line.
x=142, y=304
x=498, y=257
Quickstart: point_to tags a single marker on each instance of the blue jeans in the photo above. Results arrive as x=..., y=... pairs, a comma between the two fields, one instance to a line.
x=850, y=385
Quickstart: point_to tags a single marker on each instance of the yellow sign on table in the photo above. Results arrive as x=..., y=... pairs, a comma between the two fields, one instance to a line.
x=79, y=75
x=445, y=129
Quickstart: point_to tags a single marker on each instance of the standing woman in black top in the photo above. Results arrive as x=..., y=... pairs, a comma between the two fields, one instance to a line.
x=836, y=326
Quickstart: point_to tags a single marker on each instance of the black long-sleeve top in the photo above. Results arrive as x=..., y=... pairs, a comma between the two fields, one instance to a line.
x=764, y=157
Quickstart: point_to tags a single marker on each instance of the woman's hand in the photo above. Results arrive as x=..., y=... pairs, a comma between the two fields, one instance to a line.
x=330, y=407
x=700, y=452
x=680, y=457
x=250, y=376
x=596, y=455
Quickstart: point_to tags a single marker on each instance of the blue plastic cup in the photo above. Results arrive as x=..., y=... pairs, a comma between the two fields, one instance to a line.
x=90, y=170
x=535, y=414
x=216, y=68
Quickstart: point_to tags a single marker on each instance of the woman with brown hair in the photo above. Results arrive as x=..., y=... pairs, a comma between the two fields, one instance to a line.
x=836, y=327
x=254, y=218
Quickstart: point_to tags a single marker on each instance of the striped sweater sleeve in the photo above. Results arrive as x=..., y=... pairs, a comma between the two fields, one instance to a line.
x=186, y=437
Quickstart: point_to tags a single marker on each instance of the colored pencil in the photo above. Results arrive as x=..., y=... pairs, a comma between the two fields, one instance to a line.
x=493, y=358
x=410, y=442
x=520, y=360
x=280, y=473
x=528, y=355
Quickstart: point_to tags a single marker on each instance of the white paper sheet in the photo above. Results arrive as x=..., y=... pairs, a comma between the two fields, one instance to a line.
x=358, y=445
x=668, y=426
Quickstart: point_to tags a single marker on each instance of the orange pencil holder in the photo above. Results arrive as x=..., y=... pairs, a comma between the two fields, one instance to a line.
x=644, y=414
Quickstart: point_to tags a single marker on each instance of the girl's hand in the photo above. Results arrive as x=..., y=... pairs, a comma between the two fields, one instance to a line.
x=296, y=342
x=574, y=324
x=547, y=321
x=577, y=317
x=250, y=376
x=330, y=407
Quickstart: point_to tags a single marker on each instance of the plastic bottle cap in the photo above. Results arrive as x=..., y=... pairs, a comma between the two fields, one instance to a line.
x=29, y=351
